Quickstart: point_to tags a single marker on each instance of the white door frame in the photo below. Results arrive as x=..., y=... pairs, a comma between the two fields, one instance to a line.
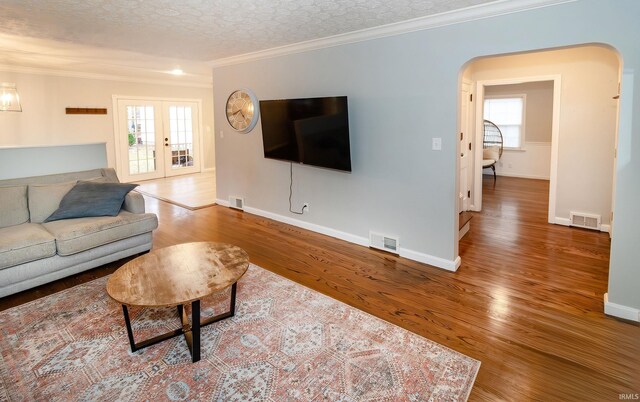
x=169, y=171
x=116, y=126
x=476, y=203
x=466, y=127
x=122, y=157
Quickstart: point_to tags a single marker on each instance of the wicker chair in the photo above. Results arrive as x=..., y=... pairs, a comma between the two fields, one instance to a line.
x=492, y=147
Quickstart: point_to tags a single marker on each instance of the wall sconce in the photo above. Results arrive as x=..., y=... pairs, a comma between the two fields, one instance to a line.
x=9, y=98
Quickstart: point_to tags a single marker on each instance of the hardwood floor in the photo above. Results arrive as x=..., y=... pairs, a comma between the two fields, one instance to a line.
x=191, y=191
x=526, y=301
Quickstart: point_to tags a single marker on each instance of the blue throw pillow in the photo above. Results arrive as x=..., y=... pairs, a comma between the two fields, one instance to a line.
x=92, y=199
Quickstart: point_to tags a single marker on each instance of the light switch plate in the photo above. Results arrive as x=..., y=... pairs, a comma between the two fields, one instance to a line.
x=436, y=144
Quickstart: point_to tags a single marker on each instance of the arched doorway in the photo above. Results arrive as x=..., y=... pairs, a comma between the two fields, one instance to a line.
x=582, y=132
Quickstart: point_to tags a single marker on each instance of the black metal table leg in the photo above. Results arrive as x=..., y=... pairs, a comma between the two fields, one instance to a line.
x=232, y=307
x=230, y=313
x=191, y=331
x=195, y=331
x=127, y=322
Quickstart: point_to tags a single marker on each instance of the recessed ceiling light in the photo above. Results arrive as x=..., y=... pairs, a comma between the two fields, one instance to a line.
x=177, y=71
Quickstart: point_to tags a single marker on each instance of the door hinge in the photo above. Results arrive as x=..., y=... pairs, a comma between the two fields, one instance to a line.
x=470, y=97
x=611, y=219
x=469, y=146
x=461, y=136
x=469, y=194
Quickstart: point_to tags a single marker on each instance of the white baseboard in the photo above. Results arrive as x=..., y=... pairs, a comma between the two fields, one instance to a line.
x=449, y=265
x=522, y=176
x=430, y=259
x=362, y=241
x=561, y=221
x=567, y=222
x=620, y=311
x=208, y=170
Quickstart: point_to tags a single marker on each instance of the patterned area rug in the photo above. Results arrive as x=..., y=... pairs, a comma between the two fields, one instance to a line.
x=286, y=343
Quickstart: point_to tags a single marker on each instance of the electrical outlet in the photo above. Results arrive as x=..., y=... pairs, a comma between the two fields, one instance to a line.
x=305, y=207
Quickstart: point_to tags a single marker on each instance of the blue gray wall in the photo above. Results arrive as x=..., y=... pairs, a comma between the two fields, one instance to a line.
x=402, y=92
x=37, y=161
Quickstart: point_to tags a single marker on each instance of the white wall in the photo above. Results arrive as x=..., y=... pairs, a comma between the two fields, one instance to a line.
x=44, y=98
x=532, y=162
x=403, y=92
x=588, y=111
x=534, y=159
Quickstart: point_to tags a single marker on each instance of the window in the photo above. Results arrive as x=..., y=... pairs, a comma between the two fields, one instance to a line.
x=508, y=114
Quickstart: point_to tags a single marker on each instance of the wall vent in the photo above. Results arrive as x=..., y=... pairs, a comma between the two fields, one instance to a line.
x=587, y=221
x=384, y=242
x=236, y=203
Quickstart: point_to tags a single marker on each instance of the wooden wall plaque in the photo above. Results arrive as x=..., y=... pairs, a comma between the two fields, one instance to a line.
x=86, y=110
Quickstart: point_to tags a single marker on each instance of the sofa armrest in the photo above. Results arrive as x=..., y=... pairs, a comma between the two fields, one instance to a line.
x=134, y=202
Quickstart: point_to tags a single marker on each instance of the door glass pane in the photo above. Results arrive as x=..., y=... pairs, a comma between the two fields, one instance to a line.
x=142, y=139
x=181, y=127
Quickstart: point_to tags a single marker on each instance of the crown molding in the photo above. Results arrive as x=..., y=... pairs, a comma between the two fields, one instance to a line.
x=478, y=12
x=97, y=76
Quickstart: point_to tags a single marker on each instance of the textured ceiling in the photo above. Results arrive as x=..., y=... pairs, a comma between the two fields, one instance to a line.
x=206, y=29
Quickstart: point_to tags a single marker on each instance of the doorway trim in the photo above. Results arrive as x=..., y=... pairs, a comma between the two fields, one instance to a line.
x=116, y=127
x=466, y=128
x=476, y=203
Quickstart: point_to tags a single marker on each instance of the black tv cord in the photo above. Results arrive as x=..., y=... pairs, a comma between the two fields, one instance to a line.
x=291, y=191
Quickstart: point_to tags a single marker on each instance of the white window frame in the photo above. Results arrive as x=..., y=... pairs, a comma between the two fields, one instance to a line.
x=523, y=121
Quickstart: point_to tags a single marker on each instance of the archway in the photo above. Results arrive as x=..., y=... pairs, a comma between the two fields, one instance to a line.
x=583, y=129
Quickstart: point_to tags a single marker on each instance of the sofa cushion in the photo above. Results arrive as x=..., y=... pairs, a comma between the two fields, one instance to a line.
x=88, y=198
x=100, y=179
x=24, y=243
x=80, y=234
x=134, y=202
x=15, y=209
x=44, y=199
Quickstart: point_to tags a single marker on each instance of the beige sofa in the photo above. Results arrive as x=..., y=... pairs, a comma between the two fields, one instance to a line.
x=34, y=252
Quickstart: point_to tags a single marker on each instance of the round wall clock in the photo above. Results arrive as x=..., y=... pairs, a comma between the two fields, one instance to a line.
x=242, y=110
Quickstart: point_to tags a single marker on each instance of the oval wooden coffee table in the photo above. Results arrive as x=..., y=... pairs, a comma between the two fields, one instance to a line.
x=176, y=276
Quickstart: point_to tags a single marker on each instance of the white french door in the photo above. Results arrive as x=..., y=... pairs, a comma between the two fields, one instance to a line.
x=156, y=138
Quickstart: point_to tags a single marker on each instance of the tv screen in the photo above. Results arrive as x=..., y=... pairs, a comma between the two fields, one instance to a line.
x=311, y=131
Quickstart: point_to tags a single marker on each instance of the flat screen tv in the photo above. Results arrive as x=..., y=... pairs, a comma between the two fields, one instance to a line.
x=311, y=131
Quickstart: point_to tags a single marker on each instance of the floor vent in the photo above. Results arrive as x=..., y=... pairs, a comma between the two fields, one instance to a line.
x=587, y=221
x=236, y=203
x=384, y=242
